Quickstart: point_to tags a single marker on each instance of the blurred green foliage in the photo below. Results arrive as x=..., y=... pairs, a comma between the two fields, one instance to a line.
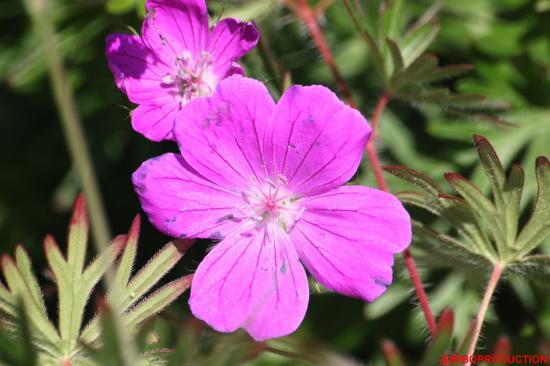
x=508, y=44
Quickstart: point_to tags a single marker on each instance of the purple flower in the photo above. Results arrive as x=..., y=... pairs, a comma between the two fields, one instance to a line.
x=177, y=59
x=267, y=180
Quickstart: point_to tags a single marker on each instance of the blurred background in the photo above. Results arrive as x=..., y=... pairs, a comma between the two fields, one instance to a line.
x=507, y=42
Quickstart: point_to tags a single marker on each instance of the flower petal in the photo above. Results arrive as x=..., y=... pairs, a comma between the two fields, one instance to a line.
x=155, y=121
x=172, y=27
x=230, y=40
x=182, y=204
x=221, y=136
x=347, y=238
x=137, y=71
x=253, y=282
x=314, y=140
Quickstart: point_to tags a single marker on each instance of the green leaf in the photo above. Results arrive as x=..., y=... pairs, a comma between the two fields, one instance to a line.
x=158, y=300
x=534, y=267
x=445, y=249
x=445, y=73
x=126, y=264
x=391, y=354
x=18, y=351
x=141, y=283
x=151, y=273
x=398, y=63
x=66, y=293
x=24, y=265
x=29, y=353
x=78, y=238
x=75, y=284
x=459, y=214
x=512, y=196
x=377, y=58
x=420, y=68
x=420, y=200
x=7, y=302
x=390, y=19
x=19, y=289
x=111, y=352
x=483, y=208
x=99, y=266
x=493, y=169
x=427, y=184
x=538, y=226
x=418, y=41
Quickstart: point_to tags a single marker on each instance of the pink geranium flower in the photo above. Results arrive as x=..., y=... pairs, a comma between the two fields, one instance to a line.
x=267, y=180
x=177, y=59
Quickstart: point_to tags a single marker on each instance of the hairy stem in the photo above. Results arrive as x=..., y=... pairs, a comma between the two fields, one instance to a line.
x=420, y=292
x=489, y=291
x=74, y=135
x=78, y=147
x=304, y=11
x=371, y=145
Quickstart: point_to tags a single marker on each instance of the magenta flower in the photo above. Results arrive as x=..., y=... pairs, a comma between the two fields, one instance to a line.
x=176, y=60
x=266, y=179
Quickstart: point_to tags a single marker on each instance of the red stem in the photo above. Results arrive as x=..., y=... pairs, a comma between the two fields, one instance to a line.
x=420, y=293
x=371, y=145
x=491, y=286
x=304, y=11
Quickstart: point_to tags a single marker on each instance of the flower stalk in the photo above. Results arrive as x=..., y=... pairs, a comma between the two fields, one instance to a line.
x=78, y=146
x=489, y=291
x=72, y=126
x=304, y=11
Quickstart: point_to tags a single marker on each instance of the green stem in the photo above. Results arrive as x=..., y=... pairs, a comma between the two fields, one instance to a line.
x=38, y=10
x=74, y=135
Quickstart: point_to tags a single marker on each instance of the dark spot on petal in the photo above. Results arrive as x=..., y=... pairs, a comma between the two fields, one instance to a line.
x=246, y=234
x=216, y=235
x=381, y=282
x=182, y=236
x=283, y=267
x=140, y=188
x=225, y=218
x=170, y=220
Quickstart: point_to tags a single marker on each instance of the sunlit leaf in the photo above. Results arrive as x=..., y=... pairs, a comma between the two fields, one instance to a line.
x=538, y=227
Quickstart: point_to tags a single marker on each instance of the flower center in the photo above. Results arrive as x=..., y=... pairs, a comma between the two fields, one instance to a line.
x=191, y=77
x=271, y=204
